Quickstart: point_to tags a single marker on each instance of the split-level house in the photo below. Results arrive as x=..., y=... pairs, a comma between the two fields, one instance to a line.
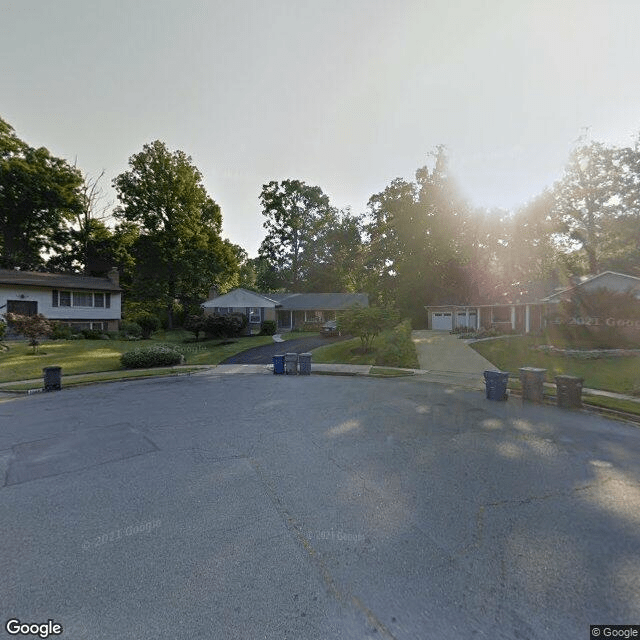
x=83, y=302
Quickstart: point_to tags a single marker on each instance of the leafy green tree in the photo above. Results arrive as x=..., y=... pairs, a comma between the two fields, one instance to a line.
x=592, y=197
x=339, y=255
x=295, y=215
x=148, y=323
x=179, y=252
x=416, y=240
x=366, y=323
x=39, y=194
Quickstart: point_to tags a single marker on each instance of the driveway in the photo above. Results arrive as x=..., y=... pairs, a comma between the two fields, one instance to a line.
x=264, y=354
x=261, y=506
x=444, y=357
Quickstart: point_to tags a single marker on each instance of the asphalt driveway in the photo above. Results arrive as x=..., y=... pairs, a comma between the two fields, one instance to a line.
x=264, y=354
x=261, y=506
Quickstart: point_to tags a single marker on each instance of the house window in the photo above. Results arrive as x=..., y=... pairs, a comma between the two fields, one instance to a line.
x=82, y=299
x=501, y=314
x=65, y=298
x=254, y=315
x=107, y=300
x=313, y=316
x=98, y=299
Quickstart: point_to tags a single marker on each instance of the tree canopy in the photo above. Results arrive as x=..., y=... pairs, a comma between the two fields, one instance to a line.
x=39, y=194
x=179, y=252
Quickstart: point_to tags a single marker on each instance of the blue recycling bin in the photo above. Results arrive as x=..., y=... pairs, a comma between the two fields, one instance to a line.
x=278, y=365
x=496, y=384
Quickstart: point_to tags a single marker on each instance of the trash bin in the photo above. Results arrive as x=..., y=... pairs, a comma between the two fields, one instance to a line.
x=496, y=384
x=278, y=364
x=291, y=363
x=532, y=381
x=569, y=391
x=304, y=364
x=52, y=378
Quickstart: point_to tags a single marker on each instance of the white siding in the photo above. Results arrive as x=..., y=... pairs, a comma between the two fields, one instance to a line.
x=42, y=296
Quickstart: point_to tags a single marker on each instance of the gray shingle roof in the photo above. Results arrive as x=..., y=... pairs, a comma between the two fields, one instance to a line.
x=320, y=301
x=55, y=280
x=240, y=298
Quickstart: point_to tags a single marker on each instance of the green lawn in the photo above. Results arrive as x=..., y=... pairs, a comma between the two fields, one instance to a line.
x=345, y=352
x=103, y=377
x=349, y=352
x=88, y=356
x=620, y=375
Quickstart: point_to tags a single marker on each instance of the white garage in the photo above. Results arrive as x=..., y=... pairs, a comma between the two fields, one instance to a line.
x=441, y=321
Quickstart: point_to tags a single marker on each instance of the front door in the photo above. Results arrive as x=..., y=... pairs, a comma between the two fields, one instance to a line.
x=22, y=307
x=284, y=319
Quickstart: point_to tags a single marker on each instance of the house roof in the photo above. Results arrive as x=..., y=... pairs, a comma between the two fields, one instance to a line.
x=321, y=301
x=289, y=301
x=13, y=277
x=634, y=283
x=240, y=298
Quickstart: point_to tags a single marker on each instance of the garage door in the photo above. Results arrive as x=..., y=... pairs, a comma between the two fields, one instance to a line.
x=441, y=322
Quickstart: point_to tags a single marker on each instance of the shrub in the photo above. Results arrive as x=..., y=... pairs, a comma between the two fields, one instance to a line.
x=195, y=324
x=398, y=349
x=61, y=331
x=92, y=334
x=148, y=324
x=268, y=328
x=130, y=328
x=157, y=356
x=33, y=327
x=3, y=328
x=228, y=326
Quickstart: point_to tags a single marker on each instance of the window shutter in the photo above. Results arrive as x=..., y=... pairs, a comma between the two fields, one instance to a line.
x=107, y=300
x=54, y=298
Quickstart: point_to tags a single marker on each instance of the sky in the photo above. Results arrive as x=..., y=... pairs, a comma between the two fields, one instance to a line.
x=346, y=94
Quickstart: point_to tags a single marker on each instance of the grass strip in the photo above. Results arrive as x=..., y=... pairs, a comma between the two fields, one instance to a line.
x=110, y=376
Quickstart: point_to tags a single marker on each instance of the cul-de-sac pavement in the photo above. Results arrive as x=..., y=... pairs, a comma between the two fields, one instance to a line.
x=317, y=507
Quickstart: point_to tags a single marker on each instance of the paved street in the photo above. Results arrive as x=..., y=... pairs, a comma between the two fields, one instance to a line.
x=322, y=507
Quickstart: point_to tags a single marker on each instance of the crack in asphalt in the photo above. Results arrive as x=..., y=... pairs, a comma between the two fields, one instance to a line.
x=341, y=595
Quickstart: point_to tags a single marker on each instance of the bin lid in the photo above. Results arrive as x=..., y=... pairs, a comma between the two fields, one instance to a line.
x=496, y=374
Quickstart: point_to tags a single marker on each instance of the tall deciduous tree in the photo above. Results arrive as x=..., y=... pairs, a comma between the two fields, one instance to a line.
x=592, y=195
x=179, y=253
x=39, y=194
x=296, y=214
x=416, y=240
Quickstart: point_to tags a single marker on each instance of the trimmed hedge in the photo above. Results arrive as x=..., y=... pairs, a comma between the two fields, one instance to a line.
x=269, y=328
x=158, y=356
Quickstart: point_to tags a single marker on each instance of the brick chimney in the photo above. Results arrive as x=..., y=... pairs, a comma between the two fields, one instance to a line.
x=213, y=291
x=114, y=276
